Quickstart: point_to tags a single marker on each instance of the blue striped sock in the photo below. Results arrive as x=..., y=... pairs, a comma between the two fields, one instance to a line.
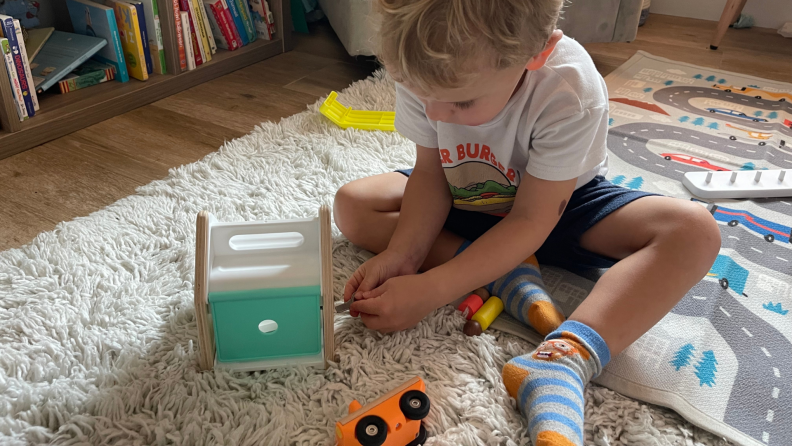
x=548, y=383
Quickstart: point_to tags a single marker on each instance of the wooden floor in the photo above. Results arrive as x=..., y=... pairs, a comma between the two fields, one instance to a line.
x=89, y=169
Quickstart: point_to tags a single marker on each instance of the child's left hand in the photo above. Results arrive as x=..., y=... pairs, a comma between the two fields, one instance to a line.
x=398, y=304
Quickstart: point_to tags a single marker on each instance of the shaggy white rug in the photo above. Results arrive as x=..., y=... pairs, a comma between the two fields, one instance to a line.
x=98, y=332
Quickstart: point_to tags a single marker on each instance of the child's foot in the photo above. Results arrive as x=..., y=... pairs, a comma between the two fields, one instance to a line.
x=525, y=299
x=548, y=383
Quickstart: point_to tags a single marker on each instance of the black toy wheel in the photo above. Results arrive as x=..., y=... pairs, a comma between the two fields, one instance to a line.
x=733, y=138
x=668, y=158
x=733, y=223
x=727, y=91
x=371, y=431
x=769, y=238
x=782, y=100
x=712, y=111
x=414, y=404
x=420, y=439
x=724, y=283
x=755, y=120
x=762, y=143
x=758, y=97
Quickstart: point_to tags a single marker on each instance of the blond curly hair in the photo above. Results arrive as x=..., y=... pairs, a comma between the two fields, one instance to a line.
x=443, y=43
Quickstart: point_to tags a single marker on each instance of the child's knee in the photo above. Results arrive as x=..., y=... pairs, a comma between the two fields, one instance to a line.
x=695, y=230
x=347, y=209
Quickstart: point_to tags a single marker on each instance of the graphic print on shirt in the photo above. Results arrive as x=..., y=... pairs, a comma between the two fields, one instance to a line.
x=478, y=182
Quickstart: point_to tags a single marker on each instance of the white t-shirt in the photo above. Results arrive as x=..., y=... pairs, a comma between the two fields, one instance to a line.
x=554, y=127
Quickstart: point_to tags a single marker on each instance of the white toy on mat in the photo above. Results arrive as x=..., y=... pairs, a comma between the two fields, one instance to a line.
x=264, y=293
x=740, y=184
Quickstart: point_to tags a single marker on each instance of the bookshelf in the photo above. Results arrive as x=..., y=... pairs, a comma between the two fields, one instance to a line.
x=62, y=114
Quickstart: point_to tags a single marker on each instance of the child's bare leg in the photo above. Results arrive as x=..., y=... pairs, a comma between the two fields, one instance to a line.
x=666, y=246
x=367, y=210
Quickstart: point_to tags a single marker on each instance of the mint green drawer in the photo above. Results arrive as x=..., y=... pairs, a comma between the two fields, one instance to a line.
x=236, y=316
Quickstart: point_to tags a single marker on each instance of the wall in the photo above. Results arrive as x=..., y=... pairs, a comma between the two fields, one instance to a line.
x=766, y=13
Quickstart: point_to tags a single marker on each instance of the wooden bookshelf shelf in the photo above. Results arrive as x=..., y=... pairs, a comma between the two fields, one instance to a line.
x=62, y=114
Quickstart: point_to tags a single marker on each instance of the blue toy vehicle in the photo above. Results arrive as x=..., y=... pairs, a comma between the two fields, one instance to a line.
x=769, y=230
x=735, y=113
x=729, y=274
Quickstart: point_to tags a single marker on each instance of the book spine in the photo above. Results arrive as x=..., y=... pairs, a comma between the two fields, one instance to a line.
x=219, y=35
x=222, y=22
x=9, y=30
x=144, y=37
x=179, y=35
x=110, y=74
x=120, y=63
x=231, y=26
x=185, y=20
x=247, y=21
x=198, y=21
x=198, y=48
x=13, y=79
x=240, y=27
x=205, y=17
x=162, y=67
x=26, y=64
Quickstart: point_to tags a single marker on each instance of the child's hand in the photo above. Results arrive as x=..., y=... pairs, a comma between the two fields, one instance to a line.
x=375, y=272
x=398, y=304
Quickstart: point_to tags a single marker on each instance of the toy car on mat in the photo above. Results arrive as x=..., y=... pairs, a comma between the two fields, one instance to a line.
x=394, y=419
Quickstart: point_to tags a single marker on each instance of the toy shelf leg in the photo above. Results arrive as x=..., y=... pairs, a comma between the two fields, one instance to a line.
x=328, y=308
x=206, y=346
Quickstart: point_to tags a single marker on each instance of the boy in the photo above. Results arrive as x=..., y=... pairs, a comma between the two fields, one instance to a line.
x=510, y=119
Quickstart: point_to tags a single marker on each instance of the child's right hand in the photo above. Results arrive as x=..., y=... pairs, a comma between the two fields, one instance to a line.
x=376, y=271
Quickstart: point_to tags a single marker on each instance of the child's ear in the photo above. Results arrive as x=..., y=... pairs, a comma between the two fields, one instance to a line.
x=540, y=59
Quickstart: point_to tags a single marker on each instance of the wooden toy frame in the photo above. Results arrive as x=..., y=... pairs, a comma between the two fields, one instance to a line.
x=205, y=225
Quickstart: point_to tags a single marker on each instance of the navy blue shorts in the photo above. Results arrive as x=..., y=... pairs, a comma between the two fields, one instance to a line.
x=588, y=205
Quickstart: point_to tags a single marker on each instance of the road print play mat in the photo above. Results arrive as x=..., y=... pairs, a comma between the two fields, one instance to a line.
x=723, y=357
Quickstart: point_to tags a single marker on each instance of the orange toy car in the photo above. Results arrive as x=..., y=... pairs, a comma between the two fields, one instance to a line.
x=393, y=419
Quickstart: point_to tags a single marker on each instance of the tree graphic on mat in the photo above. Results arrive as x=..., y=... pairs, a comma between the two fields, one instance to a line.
x=710, y=78
x=698, y=76
x=705, y=369
x=684, y=119
x=772, y=115
x=721, y=81
x=698, y=121
x=647, y=90
x=682, y=356
x=713, y=126
x=610, y=121
x=619, y=179
x=758, y=113
x=635, y=183
x=669, y=83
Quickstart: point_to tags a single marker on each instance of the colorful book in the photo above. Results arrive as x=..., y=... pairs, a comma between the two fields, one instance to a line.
x=179, y=35
x=36, y=39
x=238, y=22
x=223, y=34
x=16, y=89
x=196, y=14
x=188, y=49
x=156, y=47
x=261, y=16
x=86, y=75
x=199, y=52
x=247, y=21
x=231, y=25
x=131, y=41
x=26, y=63
x=96, y=20
x=144, y=38
x=62, y=53
x=206, y=26
x=9, y=27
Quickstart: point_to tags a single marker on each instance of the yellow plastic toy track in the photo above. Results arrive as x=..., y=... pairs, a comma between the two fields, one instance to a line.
x=345, y=117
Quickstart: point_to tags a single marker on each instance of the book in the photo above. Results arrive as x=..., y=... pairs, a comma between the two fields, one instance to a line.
x=185, y=21
x=179, y=35
x=97, y=20
x=26, y=64
x=36, y=39
x=196, y=15
x=129, y=30
x=229, y=19
x=262, y=19
x=16, y=89
x=86, y=75
x=62, y=53
x=199, y=52
x=206, y=26
x=144, y=38
x=247, y=21
x=9, y=28
x=238, y=23
x=223, y=35
x=156, y=47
